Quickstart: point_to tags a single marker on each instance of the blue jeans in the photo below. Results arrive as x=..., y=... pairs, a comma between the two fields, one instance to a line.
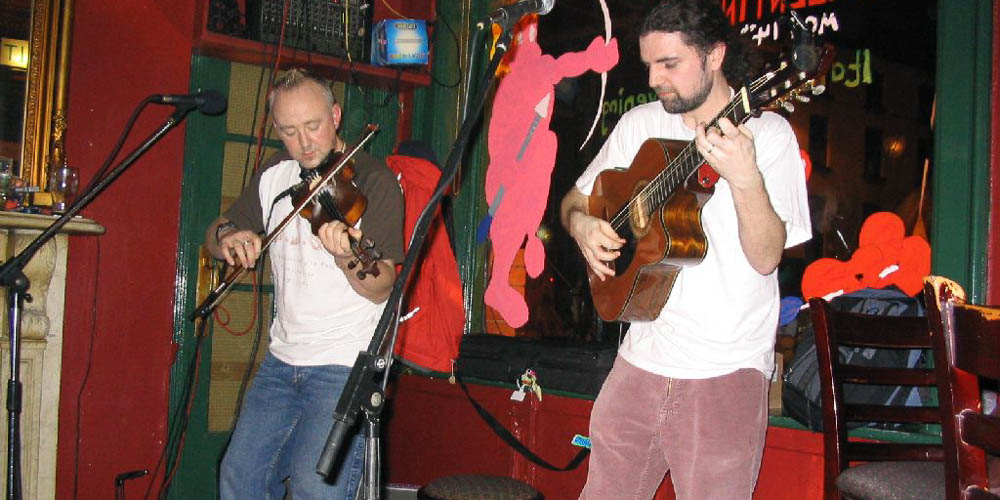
x=286, y=418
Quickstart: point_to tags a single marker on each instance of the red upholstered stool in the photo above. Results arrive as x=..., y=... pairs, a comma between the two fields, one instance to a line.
x=477, y=487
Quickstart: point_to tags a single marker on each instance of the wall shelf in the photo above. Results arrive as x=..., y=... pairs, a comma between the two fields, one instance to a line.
x=218, y=45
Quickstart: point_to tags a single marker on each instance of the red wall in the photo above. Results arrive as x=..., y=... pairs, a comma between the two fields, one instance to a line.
x=120, y=286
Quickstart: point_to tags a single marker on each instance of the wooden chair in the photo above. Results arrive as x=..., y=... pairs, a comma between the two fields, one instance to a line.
x=968, y=339
x=893, y=470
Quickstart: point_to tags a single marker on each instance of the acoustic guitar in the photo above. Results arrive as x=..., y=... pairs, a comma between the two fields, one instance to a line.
x=655, y=205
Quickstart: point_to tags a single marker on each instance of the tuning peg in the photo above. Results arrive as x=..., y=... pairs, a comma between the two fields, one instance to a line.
x=802, y=98
x=788, y=106
x=818, y=89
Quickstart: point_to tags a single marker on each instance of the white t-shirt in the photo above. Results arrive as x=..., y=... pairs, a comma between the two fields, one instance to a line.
x=722, y=314
x=306, y=281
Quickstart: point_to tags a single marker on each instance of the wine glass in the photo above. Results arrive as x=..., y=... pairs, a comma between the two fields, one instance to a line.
x=63, y=184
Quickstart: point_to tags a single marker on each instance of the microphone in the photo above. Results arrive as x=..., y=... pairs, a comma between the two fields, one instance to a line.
x=209, y=102
x=514, y=12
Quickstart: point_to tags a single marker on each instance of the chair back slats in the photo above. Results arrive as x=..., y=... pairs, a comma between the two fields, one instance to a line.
x=851, y=374
x=891, y=332
x=870, y=452
x=980, y=430
x=875, y=413
x=967, y=339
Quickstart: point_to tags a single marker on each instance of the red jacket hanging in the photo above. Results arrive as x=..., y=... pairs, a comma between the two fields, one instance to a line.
x=430, y=338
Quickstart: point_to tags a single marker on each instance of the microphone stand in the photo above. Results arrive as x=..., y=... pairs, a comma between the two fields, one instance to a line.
x=13, y=278
x=362, y=392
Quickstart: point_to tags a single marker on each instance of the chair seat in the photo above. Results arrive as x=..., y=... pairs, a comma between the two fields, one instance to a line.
x=893, y=481
x=477, y=487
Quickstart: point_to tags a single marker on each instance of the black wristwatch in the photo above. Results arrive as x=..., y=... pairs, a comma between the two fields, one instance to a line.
x=225, y=226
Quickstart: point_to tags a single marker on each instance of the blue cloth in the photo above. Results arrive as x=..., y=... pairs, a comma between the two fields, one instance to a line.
x=789, y=310
x=286, y=418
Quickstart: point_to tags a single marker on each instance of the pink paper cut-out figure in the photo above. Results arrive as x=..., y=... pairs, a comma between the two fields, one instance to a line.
x=522, y=153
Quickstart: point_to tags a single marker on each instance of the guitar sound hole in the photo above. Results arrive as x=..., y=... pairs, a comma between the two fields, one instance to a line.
x=627, y=250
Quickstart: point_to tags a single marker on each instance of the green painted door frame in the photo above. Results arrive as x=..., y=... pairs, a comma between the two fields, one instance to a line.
x=961, y=180
x=203, y=156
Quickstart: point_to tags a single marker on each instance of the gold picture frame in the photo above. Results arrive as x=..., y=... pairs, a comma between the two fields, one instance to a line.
x=46, y=93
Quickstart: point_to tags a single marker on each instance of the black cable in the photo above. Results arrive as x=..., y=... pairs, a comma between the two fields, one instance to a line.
x=255, y=347
x=458, y=51
x=179, y=424
x=86, y=375
x=175, y=442
x=253, y=121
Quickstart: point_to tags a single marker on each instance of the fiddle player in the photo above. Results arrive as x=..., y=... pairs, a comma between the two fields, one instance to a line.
x=688, y=391
x=324, y=312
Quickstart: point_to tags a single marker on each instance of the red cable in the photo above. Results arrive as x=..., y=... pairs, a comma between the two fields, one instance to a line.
x=224, y=323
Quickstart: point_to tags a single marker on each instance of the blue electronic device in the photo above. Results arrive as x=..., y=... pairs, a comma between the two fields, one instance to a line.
x=399, y=42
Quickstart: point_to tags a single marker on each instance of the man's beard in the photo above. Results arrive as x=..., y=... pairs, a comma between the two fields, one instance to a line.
x=679, y=105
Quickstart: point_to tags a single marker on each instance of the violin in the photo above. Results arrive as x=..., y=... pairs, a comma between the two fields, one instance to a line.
x=339, y=199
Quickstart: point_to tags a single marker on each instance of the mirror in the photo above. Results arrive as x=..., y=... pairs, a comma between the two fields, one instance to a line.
x=33, y=100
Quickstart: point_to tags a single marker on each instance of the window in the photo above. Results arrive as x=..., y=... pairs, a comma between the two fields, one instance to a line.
x=873, y=154
x=818, y=136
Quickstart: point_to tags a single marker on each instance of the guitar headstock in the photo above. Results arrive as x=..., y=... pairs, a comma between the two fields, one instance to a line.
x=787, y=83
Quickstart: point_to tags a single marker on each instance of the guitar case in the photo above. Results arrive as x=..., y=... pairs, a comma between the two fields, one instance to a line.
x=559, y=365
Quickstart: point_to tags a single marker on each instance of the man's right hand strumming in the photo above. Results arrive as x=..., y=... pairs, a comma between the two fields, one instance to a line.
x=597, y=240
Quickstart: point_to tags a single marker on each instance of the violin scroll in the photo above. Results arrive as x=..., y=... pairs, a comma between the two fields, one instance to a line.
x=367, y=256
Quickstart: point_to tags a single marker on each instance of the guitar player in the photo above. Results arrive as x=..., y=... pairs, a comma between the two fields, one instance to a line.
x=688, y=391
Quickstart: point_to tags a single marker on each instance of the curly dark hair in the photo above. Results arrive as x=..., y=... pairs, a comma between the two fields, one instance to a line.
x=702, y=24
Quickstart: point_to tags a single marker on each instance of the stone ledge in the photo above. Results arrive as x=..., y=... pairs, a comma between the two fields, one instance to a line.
x=79, y=225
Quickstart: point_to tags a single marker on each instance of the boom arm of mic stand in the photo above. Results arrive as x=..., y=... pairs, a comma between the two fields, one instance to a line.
x=18, y=262
x=361, y=388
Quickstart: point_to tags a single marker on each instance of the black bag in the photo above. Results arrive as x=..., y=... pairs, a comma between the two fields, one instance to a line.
x=561, y=365
x=801, y=398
